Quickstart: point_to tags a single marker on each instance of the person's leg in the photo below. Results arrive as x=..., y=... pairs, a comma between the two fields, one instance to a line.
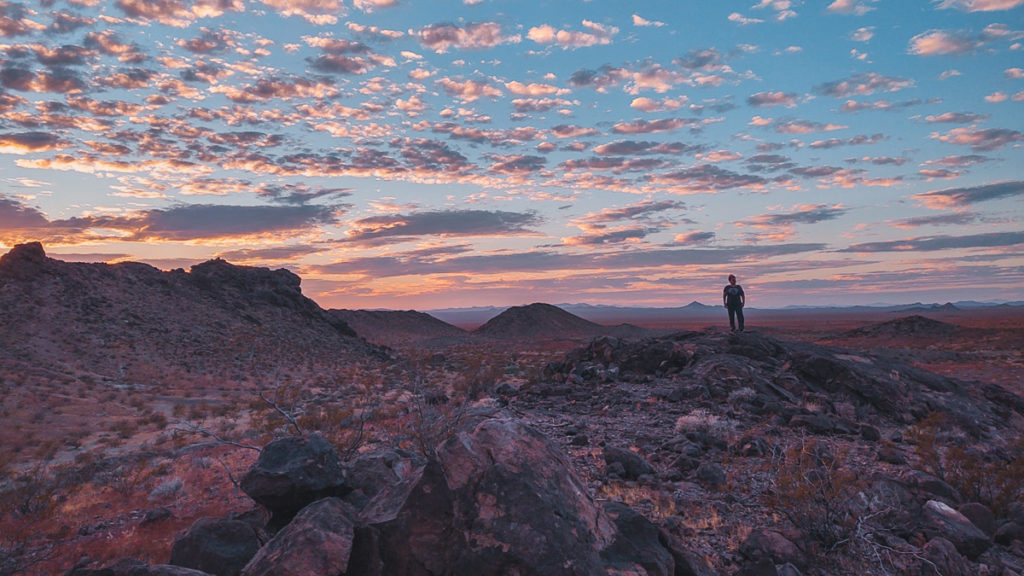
x=739, y=317
x=732, y=318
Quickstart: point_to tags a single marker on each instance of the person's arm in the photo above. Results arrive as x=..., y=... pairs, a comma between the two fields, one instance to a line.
x=743, y=298
x=725, y=296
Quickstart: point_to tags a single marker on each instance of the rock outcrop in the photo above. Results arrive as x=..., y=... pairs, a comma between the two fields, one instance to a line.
x=497, y=498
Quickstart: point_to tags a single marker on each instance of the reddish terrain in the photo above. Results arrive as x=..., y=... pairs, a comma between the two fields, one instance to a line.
x=133, y=400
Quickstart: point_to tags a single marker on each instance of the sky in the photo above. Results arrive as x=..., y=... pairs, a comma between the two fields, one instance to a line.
x=405, y=154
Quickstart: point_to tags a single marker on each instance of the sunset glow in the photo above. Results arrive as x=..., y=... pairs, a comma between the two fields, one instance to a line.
x=421, y=155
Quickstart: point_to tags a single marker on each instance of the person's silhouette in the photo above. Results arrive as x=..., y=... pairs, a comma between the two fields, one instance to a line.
x=733, y=299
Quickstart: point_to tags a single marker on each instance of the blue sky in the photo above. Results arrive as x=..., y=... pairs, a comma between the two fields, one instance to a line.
x=401, y=154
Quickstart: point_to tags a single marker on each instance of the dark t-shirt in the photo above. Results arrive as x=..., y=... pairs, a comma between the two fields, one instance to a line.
x=733, y=295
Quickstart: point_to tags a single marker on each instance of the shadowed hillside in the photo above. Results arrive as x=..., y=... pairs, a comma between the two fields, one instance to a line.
x=398, y=327
x=116, y=320
x=540, y=321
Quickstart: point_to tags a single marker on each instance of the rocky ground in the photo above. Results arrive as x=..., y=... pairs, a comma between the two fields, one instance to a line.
x=886, y=446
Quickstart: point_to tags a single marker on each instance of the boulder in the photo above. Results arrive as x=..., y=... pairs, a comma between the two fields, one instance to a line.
x=979, y=515
x=637, y=548
x=1008, y=532
x=632, y=464
x=217, y=546
x=772, y=545
x=942, y=521
x=292, y=473
x=940, y=556
x=500, y=498
x=317, y=541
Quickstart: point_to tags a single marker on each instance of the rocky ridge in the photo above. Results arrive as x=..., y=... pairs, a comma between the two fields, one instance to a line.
x=110, y=319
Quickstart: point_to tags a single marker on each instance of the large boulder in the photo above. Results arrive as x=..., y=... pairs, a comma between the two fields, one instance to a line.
x=292, y=473
x=637, y=548
x=215, y=545
x=942, y=521
x=317, y=541
x=500, y=498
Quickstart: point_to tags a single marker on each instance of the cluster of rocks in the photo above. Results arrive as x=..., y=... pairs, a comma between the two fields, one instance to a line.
x=853, y=408
x=497, y=498
x=783, y=374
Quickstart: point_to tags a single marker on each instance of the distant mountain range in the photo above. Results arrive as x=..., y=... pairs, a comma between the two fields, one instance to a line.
x=472, y=317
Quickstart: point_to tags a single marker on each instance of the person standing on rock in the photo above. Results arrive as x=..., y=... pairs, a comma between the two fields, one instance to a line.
x=733, y=298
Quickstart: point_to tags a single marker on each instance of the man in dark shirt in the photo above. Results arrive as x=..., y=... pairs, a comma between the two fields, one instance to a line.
x=734, y=299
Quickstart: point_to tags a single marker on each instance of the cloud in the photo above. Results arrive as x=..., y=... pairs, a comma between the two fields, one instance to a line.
x=982, y=140
x=643, y=22
x=651, y=126
x=16, y=216
x=955, y=219
x=959, y=161
x=178, y=223
x=469, y=90
x=806, y=127
x=516, y=164
x=934, y=243
x=945, y=42
x=956, y=118
x=638, y=148
x=694, y=238
x=803, y=214
x=863, y=34
x=858, y=7
x=706, y=178
x=316, y=12
x=854, y=141
x=25, y=142
x=445, y=223
x=474, y=36
x=178, y=13
x=761, y=99
x=596, y=34
x=743, y=20
x=980, y=5
x=199, y=221
x=961, y=197
x=863, y=85
x=664, y=105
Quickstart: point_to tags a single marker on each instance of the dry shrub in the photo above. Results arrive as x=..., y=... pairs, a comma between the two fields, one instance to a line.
x=814, y=492
x=991, y=476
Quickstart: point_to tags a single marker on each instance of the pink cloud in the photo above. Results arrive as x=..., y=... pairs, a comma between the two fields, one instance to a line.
x=978, y=139
x=595, y=34
x=772, y=99
x=474, y=36
x=981, y=5
x=468, y=90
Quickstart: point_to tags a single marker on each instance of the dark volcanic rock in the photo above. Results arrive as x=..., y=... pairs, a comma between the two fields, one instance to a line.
x=317, y=541
x=942, y=521
x=218, y=546
x=637, y=545
x=632, y=465
x=294, y=472
x=499, y=499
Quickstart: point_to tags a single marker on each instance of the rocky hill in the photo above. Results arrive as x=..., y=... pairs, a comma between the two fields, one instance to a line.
x=909, y=326
x=399, y=327
x=115, y=320
x=540, y=321
x=694, y=453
